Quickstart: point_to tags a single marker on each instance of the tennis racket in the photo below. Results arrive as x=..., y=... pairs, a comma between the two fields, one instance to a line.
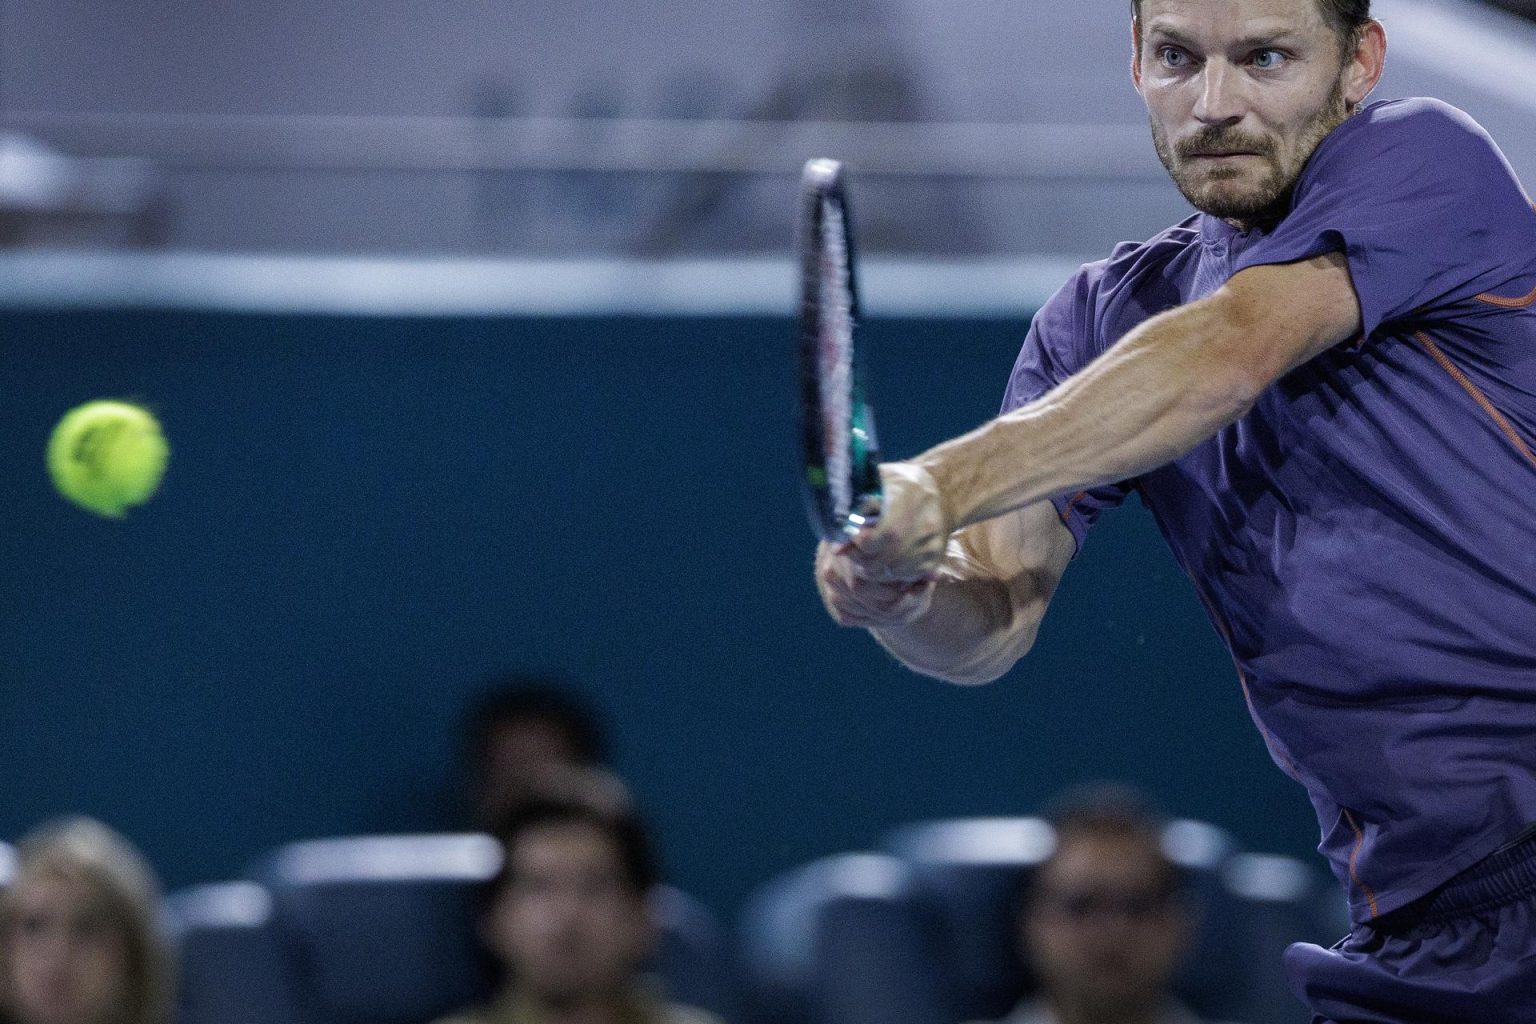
x=840, y=454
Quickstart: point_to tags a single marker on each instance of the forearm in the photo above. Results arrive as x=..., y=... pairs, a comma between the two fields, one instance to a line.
x=1165, y=387
x=974, y=629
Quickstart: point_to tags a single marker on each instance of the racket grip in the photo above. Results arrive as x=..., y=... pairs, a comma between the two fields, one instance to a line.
x=865, y=513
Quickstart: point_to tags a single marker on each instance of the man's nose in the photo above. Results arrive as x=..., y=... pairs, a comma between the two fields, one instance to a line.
x=1221, y=94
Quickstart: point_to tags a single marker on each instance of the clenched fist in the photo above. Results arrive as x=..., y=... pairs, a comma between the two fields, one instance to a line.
x=884, y=574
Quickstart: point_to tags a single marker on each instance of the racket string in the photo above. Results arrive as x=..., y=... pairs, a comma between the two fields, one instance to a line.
x=835, y=352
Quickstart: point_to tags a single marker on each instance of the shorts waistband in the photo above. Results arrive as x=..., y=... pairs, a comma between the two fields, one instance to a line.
x=1498, y=879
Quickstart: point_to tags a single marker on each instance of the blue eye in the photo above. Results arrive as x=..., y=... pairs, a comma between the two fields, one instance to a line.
x=1172, y=57
x=1268, y=60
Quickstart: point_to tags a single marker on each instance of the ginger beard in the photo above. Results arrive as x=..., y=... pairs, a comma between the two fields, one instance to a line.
x=1232, y=189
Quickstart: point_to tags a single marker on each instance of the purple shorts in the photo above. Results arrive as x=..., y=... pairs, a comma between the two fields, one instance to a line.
x=1464, y=954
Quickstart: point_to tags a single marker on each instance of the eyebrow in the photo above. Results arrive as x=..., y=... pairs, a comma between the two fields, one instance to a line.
x=1257, y=41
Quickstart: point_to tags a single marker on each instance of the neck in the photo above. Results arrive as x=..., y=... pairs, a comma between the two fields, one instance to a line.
x=583, y=1009
x=1083, y=1011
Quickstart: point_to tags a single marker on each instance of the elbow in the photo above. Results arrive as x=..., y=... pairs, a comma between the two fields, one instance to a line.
x=991, y=664
x=975, y=676
x=1223, y=384
x=1226, y=396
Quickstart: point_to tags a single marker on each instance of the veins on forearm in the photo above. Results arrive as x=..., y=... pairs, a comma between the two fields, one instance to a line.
x=1168, y=385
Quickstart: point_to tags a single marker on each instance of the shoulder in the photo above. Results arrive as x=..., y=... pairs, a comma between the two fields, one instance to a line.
x=1408, y=133
x=466, y=1017
x=1029, y=1011
x=677, y=1013
x=1135, y=264
x=1132, y=269
x=1416, y=115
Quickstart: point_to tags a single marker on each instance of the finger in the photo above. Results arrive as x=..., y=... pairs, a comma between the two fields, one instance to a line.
x=863, y=603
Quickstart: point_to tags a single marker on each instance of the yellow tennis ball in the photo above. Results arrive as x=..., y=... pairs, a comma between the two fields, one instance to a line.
x=105, y=456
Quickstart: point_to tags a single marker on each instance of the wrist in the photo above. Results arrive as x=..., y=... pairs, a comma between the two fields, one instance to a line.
x=914, y=477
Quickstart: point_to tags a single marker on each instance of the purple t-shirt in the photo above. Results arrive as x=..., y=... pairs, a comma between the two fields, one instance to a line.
x=1364, y=539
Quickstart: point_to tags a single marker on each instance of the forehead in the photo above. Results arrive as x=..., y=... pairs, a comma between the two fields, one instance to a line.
x=52, y=887
x=1215, y=20
x=565, y=846
x=1093, y=859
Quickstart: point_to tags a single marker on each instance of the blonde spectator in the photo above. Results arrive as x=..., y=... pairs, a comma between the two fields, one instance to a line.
x=78, y=938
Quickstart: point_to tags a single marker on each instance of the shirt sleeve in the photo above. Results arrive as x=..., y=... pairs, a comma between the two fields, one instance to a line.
x=1060, y=342
x=1420, y=201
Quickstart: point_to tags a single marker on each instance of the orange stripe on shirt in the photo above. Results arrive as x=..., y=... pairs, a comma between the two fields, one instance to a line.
x=1522, y=302
x=1370, y=897
x=1505, y=427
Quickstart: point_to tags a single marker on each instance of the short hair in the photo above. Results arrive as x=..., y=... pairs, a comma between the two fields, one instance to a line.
x=1345, y=17
x=84, y=848
x=1110, y=810
x=594, y=798
x=521, y=698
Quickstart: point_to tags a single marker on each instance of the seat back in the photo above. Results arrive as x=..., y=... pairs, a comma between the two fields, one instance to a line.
x=693, y=960
x=1279, y=901
x=384, y=929
x=232, y=966
x=381, y=929
x=838, y=941
x=966, y=875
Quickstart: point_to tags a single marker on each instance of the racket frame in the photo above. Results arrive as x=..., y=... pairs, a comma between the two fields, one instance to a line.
x=841, y=480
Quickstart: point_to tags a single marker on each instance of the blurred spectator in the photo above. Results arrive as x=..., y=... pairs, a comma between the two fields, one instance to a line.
x=78, y=939
x=1525, y=8
x=48, y=198
x=568, y=917
x=1105, y=921
x=520, y=732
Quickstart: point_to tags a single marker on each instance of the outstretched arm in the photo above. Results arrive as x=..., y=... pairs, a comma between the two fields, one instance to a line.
x=957, y=605
x=1168, y=385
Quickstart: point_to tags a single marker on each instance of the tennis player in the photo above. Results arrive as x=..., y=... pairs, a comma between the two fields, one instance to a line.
x=1323, y=386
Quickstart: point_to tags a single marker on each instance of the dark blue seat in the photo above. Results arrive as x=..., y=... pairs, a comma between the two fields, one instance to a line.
x=1279, y=901
x=926, y=932
x=694, y=960
x=383, y=930
x=838, y=941
x=965, y=875
x=232, y=965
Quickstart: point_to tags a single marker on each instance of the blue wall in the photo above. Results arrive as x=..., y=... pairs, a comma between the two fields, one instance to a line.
x=364, y=518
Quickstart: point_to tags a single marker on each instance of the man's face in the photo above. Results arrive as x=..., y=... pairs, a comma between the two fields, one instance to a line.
x=1239, y=93
x=1102, y=928
x=567, y=923
x=68, y=958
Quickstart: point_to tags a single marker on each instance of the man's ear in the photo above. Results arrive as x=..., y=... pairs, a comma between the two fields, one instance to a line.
x=1136, y=53
x=1366, y=63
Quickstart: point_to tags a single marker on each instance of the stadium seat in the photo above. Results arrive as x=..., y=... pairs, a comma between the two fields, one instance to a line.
x=382, y=929
x=838, y=941
x=965, y=875
x=232, y=967
x=1279, y=901
x=693, y=959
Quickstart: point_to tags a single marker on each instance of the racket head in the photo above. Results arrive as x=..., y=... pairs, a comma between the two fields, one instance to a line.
x=840, y=452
